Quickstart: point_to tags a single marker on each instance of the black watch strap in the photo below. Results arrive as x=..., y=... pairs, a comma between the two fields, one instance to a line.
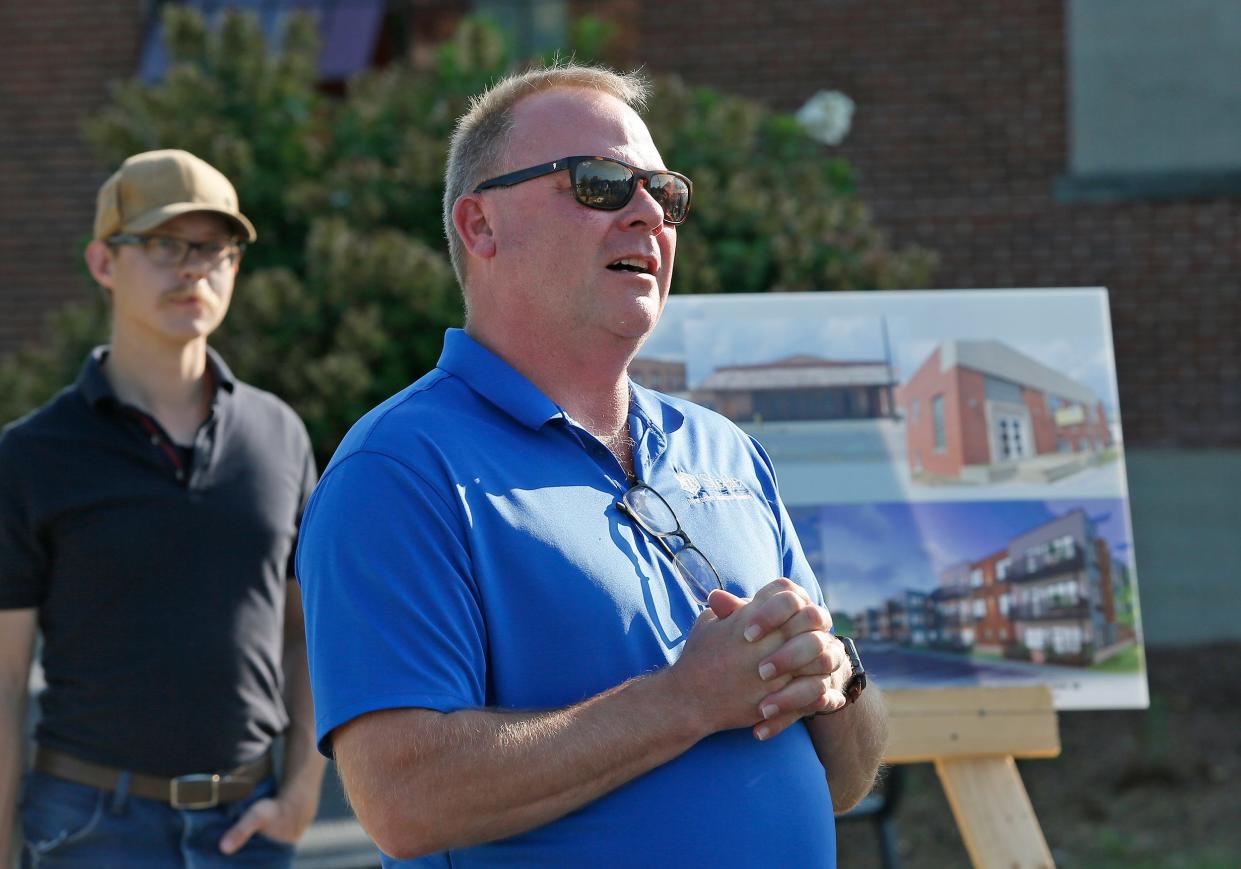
x=857, y=682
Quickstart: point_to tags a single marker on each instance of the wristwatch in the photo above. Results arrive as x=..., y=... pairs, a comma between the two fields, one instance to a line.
x=857, y=682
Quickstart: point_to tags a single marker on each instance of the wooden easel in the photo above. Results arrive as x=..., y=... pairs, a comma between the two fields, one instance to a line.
x=973, y=736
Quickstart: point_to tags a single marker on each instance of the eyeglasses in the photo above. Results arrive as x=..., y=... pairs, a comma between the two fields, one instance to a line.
x=608, y=184
x=653, y=514
x=165, y=250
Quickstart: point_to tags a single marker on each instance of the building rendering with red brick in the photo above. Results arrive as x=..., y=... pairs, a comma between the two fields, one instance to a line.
x=975, y=410
x=1053, y=594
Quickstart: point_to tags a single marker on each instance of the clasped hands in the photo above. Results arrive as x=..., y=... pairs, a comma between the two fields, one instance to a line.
x=763, y=663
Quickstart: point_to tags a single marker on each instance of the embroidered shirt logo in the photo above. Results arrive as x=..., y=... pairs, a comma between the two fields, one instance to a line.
x=700, y=488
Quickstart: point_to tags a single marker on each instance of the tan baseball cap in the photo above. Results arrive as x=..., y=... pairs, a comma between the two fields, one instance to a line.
x=154, y=187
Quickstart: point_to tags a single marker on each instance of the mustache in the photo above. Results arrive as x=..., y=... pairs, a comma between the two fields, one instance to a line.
x=182, y=293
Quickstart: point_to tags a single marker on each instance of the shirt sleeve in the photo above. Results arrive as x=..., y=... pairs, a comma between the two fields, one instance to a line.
x=23, y=559
x=393, y=617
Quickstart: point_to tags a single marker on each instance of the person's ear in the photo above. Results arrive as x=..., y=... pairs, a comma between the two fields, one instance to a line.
x=473, y=225
x=101, y=260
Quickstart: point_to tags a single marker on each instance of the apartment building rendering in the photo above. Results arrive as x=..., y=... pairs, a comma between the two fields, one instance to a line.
x=1054, y=594
x=979, y=411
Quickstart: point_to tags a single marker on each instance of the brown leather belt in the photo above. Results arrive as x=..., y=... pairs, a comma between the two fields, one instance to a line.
x=198, y=791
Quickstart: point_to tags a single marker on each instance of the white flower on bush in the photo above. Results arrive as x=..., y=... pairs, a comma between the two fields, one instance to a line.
x=827, y=116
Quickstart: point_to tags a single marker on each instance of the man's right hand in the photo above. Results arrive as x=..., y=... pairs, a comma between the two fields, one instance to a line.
x=762, y=663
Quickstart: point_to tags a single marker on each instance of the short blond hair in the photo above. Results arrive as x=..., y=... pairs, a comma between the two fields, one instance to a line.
x=481, y=136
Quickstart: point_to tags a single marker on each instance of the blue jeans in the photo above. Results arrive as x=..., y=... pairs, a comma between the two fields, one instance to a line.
x=73, y=826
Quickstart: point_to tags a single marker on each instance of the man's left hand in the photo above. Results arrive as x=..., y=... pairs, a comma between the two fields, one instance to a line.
x=275, y=818
x=813, y=657
x=820, y=669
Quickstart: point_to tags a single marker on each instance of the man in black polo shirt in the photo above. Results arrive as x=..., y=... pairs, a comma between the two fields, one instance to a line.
x=147, y=519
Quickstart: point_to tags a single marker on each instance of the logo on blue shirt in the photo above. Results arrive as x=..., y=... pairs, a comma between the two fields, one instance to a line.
x=701, y=488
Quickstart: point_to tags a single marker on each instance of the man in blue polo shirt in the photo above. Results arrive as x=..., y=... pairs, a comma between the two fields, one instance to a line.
x=556, y=619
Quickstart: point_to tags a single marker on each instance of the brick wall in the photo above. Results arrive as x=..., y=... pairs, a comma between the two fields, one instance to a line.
x=960, y=136
x=56, y=57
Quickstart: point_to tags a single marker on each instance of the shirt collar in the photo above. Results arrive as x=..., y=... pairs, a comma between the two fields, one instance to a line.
x=651, y=412
x=496, y=380
x=96, y=388
x=513, y=392
x=510, y=390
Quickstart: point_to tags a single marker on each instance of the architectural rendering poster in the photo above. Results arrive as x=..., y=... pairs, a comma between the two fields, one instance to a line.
x=954, y=467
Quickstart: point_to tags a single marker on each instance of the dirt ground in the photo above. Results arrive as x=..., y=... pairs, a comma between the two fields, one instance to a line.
x=1132, y=789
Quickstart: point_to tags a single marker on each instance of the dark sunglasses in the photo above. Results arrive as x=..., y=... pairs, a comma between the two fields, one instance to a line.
x=608, y=184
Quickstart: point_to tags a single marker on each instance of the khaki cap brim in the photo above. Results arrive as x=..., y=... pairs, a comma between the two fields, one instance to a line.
x=160, y=216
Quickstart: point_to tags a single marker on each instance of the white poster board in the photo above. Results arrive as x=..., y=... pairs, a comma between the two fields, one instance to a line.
x=954, y=467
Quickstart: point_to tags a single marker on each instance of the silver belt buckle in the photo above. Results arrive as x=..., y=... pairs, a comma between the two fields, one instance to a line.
x=191, y=781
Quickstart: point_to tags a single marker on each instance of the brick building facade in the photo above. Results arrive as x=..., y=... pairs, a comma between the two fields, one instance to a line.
x=56, y=59
x=1051, y=591
x=960, y=138
x=982, y=405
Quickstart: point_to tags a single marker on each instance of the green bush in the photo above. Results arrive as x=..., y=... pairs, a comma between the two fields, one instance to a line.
x=345, y=297
x=1018, y=652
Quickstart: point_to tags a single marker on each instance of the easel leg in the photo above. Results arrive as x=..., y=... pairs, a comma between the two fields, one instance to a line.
x=994, y=813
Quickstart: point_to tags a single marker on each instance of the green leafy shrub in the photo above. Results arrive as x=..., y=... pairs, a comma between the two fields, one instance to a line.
x=345, y=297
x=1018, y=652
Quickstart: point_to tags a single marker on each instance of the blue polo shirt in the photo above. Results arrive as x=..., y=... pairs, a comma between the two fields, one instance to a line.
x=464, y=550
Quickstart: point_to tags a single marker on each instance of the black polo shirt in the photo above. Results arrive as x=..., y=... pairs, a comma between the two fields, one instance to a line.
x=159, y=575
